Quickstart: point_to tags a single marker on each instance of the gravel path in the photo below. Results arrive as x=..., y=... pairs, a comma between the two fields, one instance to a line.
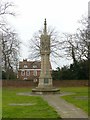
x=64, y=109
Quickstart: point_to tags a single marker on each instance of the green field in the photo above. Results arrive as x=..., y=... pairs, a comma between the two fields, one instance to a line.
x=38, y=108
x=80, y=98
x=0, y=102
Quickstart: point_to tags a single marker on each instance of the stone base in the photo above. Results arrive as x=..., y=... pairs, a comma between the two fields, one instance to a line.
x=45, y=90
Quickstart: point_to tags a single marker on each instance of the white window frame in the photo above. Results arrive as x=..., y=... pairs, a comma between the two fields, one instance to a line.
x=22, y=73
x=34, y=66
x=28, y=73
x=35, y=72
x=25, y=66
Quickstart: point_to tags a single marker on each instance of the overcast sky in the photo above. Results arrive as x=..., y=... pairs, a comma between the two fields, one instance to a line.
x=61, y=14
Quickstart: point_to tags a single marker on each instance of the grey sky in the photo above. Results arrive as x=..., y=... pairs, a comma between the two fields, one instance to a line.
x=61, y=14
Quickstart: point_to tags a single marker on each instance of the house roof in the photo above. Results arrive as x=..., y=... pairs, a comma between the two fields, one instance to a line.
x=30, y=64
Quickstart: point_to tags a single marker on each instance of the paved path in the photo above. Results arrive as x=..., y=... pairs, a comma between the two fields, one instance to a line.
x=64, y=109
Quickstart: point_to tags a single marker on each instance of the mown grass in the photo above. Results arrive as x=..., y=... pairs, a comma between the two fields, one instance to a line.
x=39, y=109
x=80, y=98
x=0, y=102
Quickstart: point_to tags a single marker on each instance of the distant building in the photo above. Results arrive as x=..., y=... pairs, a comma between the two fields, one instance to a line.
x=29, y=70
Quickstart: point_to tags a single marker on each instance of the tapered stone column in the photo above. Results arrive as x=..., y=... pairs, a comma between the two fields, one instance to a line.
x=45, y=79
x=45, y=84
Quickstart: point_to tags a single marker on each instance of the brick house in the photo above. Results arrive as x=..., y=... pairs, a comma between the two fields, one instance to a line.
x=29, y=70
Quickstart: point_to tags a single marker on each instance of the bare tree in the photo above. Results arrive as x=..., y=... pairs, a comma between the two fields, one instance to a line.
x=34, y=44
x=70, y=46
x=6, y=8
x=9, y=39
x=10, y=49
x=82, y=36
x=75, y=45
x=66, y=45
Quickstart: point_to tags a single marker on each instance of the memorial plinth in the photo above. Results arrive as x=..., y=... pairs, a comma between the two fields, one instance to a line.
x=46, y=90
x=45, y=85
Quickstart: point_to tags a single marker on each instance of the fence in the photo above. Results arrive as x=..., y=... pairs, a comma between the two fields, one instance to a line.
x=56, y=83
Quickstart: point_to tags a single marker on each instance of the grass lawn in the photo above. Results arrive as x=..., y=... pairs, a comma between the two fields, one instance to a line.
x=80, y=98
x=0, y=102
x=38, y=108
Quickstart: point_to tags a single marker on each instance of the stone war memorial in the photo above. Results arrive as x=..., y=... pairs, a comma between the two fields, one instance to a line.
x=45, y=85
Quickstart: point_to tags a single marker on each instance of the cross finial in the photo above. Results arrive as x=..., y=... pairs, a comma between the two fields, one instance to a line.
x=45, y=26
